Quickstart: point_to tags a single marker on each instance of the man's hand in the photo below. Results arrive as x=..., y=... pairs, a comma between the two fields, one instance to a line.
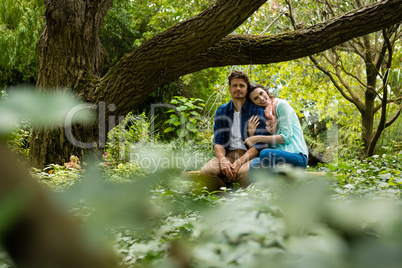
x=235, y=169
x=226, y=167
x=250, y=141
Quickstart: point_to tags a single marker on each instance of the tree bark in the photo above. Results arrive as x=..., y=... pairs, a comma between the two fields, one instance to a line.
x=189, y=46
x=138, y=74
x=70, y=51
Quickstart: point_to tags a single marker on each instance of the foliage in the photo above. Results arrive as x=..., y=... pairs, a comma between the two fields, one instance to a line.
x=165, y=14
x=310, y=91
x=133, y=129
x=20, y=25
x=157, y=218
x=54, y=109
x=185, y=118
x=124, y=23
x=18, y=139
x=390, y=142
x=292, y=222
x=373, y=176
x=359, y=70
x=56, y=177
x=128, y=24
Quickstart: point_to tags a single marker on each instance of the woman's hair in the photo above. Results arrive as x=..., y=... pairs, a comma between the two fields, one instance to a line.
x=252, y=87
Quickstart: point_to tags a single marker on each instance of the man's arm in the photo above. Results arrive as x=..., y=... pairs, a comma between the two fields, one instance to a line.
x=226, y=166
x=250, y=154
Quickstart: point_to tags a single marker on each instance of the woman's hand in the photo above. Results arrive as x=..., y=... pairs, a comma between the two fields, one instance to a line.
x=253, y=123
x=272, y=126
x=250, y=141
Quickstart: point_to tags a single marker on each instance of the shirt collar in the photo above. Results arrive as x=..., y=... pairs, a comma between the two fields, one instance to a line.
x=245, y=105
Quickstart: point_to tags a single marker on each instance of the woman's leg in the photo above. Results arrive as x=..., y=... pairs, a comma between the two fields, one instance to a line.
x=270, y=159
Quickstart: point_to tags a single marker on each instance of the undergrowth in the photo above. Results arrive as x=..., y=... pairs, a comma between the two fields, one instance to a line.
x=349, y=218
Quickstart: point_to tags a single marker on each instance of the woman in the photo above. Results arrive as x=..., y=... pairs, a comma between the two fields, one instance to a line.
x=287, y=144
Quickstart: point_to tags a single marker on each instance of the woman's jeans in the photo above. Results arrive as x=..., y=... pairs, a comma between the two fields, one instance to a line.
x=270, y=159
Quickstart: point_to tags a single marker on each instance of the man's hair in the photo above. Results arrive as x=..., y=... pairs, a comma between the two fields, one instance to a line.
x=252, y=87
x=239, y=75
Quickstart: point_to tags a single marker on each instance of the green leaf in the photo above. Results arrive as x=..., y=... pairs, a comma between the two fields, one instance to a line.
x=190, y=105
x=332, y=167
x=54, y=109
x=182, y=132
x=169, y=129
x=173, y=120
x=192, y=127
x=182, y=108
x=344, y=166
x=183, y=119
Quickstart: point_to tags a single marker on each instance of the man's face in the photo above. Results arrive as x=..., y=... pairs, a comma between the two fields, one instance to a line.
x=238, y=89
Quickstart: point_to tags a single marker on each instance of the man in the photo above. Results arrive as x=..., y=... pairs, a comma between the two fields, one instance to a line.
x=233, y=157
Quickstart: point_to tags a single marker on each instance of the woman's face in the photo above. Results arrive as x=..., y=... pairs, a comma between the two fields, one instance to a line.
x=259, y=97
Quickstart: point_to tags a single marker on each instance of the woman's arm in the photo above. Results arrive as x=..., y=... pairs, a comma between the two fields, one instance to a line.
x=252, y=125
x=285, y=132
x=272, y=139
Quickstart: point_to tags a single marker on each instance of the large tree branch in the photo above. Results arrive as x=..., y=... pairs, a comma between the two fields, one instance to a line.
x=191, y=46
x=243, y=49
x=140, y=72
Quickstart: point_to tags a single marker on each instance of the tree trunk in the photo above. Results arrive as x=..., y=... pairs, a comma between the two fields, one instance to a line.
x=367, y=122
x=70, y=54
x=369, y=97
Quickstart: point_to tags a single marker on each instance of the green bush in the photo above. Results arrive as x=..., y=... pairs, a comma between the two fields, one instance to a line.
x=186, y=122
x=134, y=129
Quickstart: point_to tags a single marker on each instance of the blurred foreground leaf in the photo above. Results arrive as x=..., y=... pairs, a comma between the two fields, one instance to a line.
x=55, y=109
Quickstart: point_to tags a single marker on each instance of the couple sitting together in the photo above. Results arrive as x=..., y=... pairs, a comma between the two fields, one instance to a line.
x=254, y=131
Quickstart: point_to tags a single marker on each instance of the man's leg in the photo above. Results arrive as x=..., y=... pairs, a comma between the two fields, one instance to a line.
x=243, y=175
x=211, y=175
x=211, y=172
